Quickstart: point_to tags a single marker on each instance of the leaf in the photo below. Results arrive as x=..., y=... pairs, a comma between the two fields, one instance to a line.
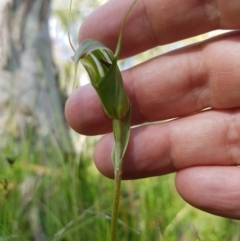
x=121, y=130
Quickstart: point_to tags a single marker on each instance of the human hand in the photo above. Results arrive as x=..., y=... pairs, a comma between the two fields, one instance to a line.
x=202, y=147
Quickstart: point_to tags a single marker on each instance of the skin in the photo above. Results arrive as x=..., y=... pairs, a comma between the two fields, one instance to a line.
x=202, y=147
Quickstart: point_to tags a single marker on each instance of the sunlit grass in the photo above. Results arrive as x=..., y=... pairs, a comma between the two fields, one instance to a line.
x=46, y=196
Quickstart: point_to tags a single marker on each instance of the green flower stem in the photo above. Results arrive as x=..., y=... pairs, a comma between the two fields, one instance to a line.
x=117, y=162
x=116, y=197
x=105, y=76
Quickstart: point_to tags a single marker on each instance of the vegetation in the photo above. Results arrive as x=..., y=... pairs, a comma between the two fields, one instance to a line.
x=46, y=197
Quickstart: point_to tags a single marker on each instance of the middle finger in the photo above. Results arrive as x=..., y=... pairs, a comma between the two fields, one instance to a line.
x=187, y=80
x=172, y=85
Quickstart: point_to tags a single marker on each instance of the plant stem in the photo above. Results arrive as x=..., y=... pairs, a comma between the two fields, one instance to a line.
x=116, y=197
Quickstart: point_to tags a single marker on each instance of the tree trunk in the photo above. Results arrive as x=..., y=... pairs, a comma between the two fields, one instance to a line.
x=29, y=95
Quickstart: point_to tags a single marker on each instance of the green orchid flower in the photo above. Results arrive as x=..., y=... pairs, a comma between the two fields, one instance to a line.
x=101, y=66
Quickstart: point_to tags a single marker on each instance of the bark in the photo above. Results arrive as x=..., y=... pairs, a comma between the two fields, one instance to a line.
x=30, y=105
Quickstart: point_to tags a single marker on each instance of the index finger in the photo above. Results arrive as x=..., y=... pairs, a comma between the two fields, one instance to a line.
x=158, y=22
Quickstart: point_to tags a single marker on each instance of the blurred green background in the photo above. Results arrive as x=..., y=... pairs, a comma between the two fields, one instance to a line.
x=49, y=187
